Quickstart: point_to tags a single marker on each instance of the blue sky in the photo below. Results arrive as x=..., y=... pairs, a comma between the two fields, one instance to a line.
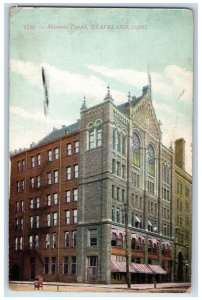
x=84, y=50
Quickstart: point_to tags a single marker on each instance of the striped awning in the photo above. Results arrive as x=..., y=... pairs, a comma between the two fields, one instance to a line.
x=156, y=269
x=167, y=245
x=154, y=242
x=119, y=266
x=137, y=237
x=141, y=268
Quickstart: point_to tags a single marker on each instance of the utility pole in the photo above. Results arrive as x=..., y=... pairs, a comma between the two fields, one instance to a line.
x=126, y=205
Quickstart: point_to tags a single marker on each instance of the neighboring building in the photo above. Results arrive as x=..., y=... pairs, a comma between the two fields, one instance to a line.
x=43, y=208
x=125, y=180
x=183, y=216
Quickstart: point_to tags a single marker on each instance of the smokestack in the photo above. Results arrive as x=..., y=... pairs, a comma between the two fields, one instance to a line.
x=180, y=153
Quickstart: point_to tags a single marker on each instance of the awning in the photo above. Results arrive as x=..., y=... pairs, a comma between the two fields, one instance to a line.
x=141, y=268
x=137, y=219
x=157, y=269
x=137, y=237
x=118, y=231
x=167, y=245
x=149, y=223
x=117, y=266
x=154, y=242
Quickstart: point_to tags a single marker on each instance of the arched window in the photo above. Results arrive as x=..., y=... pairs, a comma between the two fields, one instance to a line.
x=98, y=133
x=151, y=161
x=136, y=150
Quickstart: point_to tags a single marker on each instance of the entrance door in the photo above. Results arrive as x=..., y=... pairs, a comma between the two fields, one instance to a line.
x=32, y=264
x=180, y=272
x=92, y=268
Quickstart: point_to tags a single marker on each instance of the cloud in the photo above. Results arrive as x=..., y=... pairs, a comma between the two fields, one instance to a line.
x=169, y=84
x=35, y=116
x=63, y=81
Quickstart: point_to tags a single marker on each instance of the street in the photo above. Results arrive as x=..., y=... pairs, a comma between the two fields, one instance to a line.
x=99, y=288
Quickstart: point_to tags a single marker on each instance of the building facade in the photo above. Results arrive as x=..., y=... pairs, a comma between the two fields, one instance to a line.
x=95, y=197
x=43, y=208
x=183, y=216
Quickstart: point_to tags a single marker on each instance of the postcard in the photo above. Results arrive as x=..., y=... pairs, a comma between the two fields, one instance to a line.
x=100, y=141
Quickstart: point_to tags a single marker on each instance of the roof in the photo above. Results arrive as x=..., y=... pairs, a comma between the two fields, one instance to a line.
x=58, y=133
x=122, y=107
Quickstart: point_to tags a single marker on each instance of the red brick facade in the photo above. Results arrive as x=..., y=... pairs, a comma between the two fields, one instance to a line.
x=40, y=196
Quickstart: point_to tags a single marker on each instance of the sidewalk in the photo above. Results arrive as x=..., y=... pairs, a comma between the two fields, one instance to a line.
x=110, y=286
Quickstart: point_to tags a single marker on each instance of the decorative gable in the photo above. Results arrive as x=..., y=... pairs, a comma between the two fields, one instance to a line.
x=143, y=113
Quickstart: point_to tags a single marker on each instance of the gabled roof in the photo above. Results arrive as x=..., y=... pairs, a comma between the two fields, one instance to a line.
x=122, y=107
x=58, y=133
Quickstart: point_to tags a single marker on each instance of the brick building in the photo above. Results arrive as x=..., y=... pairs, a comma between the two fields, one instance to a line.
x=43, y=207
x=112, y=167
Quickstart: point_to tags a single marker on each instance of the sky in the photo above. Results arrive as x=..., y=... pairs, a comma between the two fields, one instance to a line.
x=85, y=50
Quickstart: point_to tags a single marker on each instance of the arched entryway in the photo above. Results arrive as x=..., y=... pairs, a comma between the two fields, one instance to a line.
x=15, y=272
x=180, y=271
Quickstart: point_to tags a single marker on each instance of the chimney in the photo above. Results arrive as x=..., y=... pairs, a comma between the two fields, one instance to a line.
x=180, y=153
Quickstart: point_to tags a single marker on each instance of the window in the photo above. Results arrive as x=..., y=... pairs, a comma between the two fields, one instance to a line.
x=55, y=198
x=113, y=166
x=151, y=160
x=38, y=159
x=16, y=243
x=76, y=147
x=36, y=242
x=48, y=240
x=69, y=149
x=118, y=215
x=50, y=155
x=22, y=205
x=118, y=141
x=48, y=219
x=75, y=194
x=65, y=270
x=67, y=216
x=31, y=203
x=75, y=216
x=32, y=182
x=74, y=239
x=113, y=192
x=49, y=200
x=21, y=223
x=67, y=196
x=73, y=265
x=91, y=136
x=93, y=237
x=30, y=242
x=56, y=176
x=113, y=213
x=76, y=171
x=56, y=152
x=37, y=202
x=32, y=161
x=23, y=164
x=53, y=265
x=54, y=240
x=123, y=171
x=67, y=239
x=118, y=193
x=118, y=168
x=31, y=222
x=114, y=239
x=123, y=145
x=46, y=265
x=55, y=218
x=136, y=150
x=49, y=177
x=68, y=173
x=23, y=185
x=187, y=192
x=38, y=181
x=98, y=134
x=20, y=244
x=18, y=166
x=37, y=221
